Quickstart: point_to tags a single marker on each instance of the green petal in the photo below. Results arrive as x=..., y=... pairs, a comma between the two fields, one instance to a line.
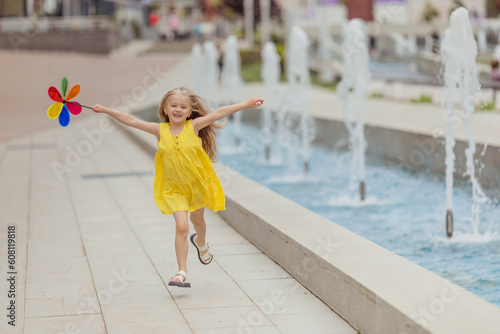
x=64, y=86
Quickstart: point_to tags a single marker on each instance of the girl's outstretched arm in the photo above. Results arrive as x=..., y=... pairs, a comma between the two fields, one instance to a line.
x=201, y=122
x=127, y=119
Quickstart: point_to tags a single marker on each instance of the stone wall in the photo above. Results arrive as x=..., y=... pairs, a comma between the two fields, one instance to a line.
x=97, y=35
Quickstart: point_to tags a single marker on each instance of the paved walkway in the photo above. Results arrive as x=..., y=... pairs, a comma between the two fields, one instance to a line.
x=94, y=254
x=27, y=76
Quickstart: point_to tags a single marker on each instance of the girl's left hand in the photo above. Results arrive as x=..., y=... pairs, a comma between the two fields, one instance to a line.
x=254, y=102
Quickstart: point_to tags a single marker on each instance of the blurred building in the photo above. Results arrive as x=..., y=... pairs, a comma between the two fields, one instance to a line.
x=17, y=8
x=12, y=8
x=56, y=24
x=396, y=12
x=360, y=9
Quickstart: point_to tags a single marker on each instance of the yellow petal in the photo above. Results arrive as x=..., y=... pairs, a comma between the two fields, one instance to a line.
x=54, y=110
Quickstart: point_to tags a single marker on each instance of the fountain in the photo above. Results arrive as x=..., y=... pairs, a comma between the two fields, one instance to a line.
x=212, y=73
x=231, y=80
x=399, y=46
x=353, y=86
x=429, y=43
x=496, y=52
x=299, y=81
x=248, y=6
x=198, y=69
x=265, y=26
x=327, y=74
x=481, y=41
x=402, y=219
x=270, y=74
x=459, y=50
x=412, y=45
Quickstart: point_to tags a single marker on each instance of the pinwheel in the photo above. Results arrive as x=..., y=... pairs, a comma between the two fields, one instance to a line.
x=63, y=106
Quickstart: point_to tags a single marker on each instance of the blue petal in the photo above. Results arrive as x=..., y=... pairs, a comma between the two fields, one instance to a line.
x=64, y=116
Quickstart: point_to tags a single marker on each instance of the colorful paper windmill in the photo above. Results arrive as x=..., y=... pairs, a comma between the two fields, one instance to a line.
x=63, y=107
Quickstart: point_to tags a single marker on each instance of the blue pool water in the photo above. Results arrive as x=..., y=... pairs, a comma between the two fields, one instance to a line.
x=403, y=212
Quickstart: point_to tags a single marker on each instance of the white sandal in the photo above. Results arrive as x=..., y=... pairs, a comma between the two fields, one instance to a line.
x=207, y=256
x=182, y=277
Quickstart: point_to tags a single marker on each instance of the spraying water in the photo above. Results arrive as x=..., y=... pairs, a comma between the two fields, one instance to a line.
x=496, y=52
x=327, y=74
x=198, y=69
x=482, y=44
x=299, y=80
x=459, y=51
x=212, y=72
x=353, y=86
x=270, y=74
x=429, y=42
x=412, y=45
x=399, y=46
x=231, y=80
x=265, y=14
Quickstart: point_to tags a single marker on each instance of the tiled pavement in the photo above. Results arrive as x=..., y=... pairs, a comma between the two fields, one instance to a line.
x=94, y=254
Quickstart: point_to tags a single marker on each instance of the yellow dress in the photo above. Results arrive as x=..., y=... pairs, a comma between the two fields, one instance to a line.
x=185, y=179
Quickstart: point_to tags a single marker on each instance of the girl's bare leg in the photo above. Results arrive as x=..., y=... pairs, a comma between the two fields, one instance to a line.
x=200, y=227
x=181, y=241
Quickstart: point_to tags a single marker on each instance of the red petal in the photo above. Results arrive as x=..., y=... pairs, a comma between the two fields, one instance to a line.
x=54, y=94
x=74, y=107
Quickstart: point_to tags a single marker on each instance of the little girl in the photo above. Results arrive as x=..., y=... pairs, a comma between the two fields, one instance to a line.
x=185, y=180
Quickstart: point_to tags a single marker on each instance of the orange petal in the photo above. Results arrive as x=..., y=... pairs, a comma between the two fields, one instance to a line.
x=73, y=92
x=54, y=110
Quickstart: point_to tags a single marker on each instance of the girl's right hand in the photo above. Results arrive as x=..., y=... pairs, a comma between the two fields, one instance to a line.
x=254, y=102
x=98, y=108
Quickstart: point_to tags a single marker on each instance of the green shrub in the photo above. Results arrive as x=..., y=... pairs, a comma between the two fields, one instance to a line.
x=315, y=82
x=377, y=95
x=240, y=33
x=251, y=64
x=423, y=99
x=430, y=12
x=251, y=72
x=250, y=56
x=277, y=38
x=280, y=48
x=136, y=27
x=486, y=106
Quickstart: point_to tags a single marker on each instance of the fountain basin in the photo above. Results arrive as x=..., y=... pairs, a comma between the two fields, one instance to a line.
x=374, y=289
x=403, y=211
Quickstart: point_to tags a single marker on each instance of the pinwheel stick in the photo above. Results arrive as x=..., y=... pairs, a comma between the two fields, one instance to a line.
x=77, y=104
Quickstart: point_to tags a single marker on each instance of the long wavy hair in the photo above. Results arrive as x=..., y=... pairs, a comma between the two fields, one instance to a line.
x=199, y=107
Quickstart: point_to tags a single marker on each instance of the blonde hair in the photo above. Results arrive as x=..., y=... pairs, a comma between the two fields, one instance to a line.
x=199, y=107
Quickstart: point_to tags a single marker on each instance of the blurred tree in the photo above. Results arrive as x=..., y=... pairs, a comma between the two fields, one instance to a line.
x=430, y=12
x=232, y=8
x=456, y=4
x=493, y=8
